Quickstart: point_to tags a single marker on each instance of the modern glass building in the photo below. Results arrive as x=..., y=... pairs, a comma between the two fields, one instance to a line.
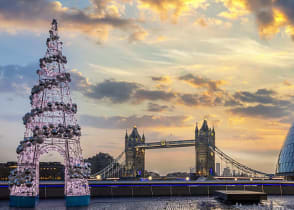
x=285, y=165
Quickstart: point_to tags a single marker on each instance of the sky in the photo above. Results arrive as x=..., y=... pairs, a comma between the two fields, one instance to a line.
x=161, y=65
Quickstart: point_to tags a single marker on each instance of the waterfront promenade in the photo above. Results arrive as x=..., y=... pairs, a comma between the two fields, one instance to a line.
x=163, y=188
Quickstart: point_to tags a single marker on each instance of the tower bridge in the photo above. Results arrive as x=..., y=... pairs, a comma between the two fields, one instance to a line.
x=131, y=162
x=135, y=147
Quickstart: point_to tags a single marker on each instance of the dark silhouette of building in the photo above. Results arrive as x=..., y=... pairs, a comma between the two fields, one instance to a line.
x=205, y=157
x=48, y=170
x=135, y=157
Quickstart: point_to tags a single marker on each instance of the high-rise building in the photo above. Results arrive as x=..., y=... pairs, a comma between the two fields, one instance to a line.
x=285, y=166
x=227, y=172
x=204, y=147
x=217, y=169
x=234, y=173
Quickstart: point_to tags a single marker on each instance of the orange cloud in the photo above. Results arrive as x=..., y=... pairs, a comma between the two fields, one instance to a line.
x=138, y=35
x=271, y=15
x=171, y=8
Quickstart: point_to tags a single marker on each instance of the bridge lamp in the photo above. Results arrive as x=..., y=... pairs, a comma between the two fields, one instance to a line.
x=251, y=179
x=187, y=178
x=236, y=179
x=149, y=178
x=98, y=177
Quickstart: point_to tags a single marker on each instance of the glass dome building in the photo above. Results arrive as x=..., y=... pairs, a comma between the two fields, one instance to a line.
x=285, y=165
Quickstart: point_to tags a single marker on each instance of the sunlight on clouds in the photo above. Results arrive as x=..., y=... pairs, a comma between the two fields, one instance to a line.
x=208, y=21
x=268, y=31
x=171, y=9
x=236, y=120
x=236, y=8
x=138, y=35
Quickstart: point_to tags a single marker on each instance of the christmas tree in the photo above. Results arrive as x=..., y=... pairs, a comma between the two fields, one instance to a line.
x=50, y=126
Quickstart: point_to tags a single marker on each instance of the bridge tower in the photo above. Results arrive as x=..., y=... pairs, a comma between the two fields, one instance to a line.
x=205, y=157
x=135, y=157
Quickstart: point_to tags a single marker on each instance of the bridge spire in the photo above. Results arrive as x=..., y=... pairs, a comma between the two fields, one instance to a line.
x=204, y=126
x=196, y=130
x=126, y=134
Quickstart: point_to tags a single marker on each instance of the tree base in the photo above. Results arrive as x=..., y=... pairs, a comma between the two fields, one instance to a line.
x=23, y=201
x=83, y=200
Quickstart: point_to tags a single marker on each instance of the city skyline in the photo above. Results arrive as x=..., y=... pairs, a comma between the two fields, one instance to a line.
x=161, y=66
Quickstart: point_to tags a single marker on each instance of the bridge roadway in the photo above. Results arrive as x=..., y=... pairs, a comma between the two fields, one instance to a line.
x=163, y=188
x=167, y=144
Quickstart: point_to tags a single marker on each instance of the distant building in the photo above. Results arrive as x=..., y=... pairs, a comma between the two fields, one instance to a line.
x=48, y=170
x=285, y=165
x=205, y=157
x=227, y=172
x=51, y=171
x=217, y=169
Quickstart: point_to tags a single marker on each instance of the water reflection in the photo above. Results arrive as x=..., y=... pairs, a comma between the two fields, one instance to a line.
x=168, y=203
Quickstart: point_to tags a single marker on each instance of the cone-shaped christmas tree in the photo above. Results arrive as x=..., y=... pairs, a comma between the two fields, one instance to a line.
x=50, y=126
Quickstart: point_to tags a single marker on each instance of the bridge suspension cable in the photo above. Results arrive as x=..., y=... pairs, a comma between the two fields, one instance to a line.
x=113, y=169
x=236, y=164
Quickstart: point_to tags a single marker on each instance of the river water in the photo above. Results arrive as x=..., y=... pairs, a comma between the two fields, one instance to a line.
x=168, y=203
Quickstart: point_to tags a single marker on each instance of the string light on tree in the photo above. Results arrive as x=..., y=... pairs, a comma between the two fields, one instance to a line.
x=50, y=125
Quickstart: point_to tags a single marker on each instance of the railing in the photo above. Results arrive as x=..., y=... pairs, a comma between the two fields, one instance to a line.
x=167, y=144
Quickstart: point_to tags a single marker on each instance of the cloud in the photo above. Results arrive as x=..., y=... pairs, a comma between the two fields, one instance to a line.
x=204, y=22
x=287, y=83
x=248, y=97
x=265, y=92
x=190, y=99
x=271, y=15
x=138, y=35
x=261, y=111
x=122, y=122
x=95, y=21
x=230, y=101
x=152, y=107
x=161, y=79
x=263, y=103
x=153, y=95
x=201, y=82
x=79, y=82
x=116, y=91
x=262, y=96
x=16, y=78
x=171, y=9
x=202, y=99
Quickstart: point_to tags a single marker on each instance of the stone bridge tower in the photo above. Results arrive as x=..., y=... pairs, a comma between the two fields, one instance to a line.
x=135, y=157
x=205, y=157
